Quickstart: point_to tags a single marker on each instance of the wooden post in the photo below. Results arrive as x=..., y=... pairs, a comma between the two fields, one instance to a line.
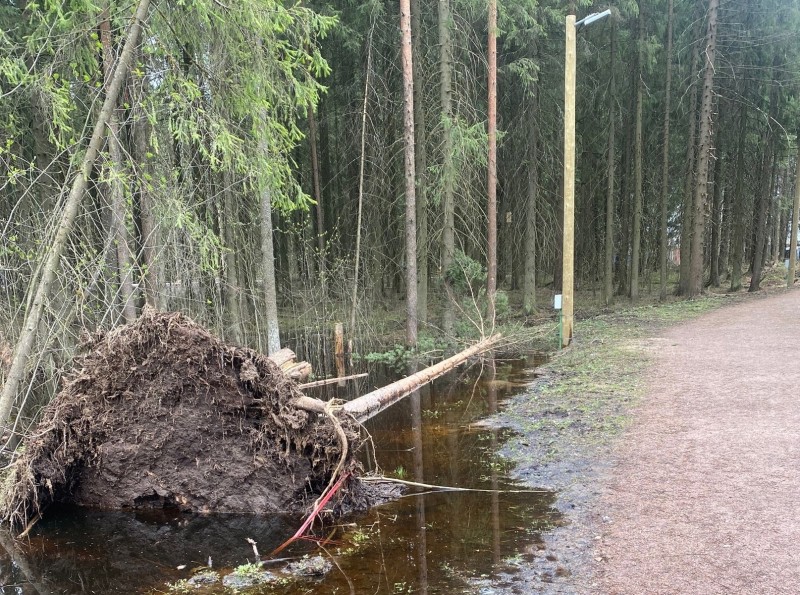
x=338, y=351
x=569, y=181
x=795, y=215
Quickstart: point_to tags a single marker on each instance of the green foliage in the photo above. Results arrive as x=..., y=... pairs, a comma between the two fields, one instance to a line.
x=396, y=358
x=470, y=150
x=250, y=569
x=466, y=275
x=501, y=308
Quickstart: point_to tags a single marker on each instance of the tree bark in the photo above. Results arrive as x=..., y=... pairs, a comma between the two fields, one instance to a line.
x=529, y=298
x=716, y=220
x=737, y=241
x=608, y=273
x=268, y=260
x=704, y=152
x=317, y=186
x=448, y=173
x=410, y=175
x=150, y=232
x=420, y=165
x=233, y=290
x=725, y=240
x=691, y=153
x=637, y=166
x=491, y=209
x=369, y=405
x=52, y=259
x=663, y=223
x=268, y=273
x=790, y=274
x=116, y=187
x=760, y=217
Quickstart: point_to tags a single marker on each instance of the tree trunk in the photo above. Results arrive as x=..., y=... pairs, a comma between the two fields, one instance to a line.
x=790, y=274
x=637, y=166
x=367, y=406
x=150, y=232
x=608, y=274
x=663, y=223
x=52, y=260
x=716, y=220
x=448, y=169
x=777, y=244
x=491, y=209
x=760, y=217
x=691, y=146
x=410, y=176
x=625, y=204
x=116, y=188
x=725, y=240
x=420, y=165
x=233, y=290
x=361, y=166
x=737, y=241
x=317, y=186
x=529, y=299
x=268, y=273
x=704, y=152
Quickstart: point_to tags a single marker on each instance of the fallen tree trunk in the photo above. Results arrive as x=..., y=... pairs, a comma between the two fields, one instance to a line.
x=369, y=405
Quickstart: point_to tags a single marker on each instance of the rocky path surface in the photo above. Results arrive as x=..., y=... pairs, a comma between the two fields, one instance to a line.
x=705, y=495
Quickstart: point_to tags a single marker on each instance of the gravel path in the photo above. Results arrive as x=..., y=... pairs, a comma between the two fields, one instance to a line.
x=705, y=496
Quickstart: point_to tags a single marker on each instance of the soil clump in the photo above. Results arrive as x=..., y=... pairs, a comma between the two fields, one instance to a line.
x=161, y=413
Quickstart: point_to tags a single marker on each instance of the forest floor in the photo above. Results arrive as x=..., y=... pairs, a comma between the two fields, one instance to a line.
x=670, y=434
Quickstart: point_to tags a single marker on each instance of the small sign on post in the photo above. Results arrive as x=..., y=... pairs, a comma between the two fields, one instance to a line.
x=557, y=301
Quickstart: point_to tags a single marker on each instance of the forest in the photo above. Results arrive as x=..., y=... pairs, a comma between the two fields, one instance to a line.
x=270, y=167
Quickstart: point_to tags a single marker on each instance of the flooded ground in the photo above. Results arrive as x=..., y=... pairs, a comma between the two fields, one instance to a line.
x=426, y=542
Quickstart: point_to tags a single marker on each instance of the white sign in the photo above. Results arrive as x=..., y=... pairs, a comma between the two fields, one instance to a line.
x=557, y=301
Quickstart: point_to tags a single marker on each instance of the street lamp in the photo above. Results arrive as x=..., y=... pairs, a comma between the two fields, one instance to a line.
x=568, y=252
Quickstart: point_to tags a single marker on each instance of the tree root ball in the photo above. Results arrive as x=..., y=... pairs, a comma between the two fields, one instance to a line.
x=160, y=413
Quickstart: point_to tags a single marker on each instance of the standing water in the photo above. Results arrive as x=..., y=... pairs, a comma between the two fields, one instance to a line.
x=428, y=541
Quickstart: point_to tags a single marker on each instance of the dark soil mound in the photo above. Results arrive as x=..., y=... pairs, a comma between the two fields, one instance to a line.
x=162, y=413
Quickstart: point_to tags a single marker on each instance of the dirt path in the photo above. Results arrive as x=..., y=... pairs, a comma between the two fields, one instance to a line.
x=705, y=497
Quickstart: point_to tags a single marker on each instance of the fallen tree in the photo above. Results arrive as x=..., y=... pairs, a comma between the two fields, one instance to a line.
x=160, y=413
x=366, y=406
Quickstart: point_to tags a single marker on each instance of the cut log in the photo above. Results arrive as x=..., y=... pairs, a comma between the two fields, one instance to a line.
x=299, y=371
x=366, y=406
x=284, y=356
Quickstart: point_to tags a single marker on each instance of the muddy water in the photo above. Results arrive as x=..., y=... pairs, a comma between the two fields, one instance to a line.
x=426, y=542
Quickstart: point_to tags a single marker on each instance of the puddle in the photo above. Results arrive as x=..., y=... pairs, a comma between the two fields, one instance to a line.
x=426, y=542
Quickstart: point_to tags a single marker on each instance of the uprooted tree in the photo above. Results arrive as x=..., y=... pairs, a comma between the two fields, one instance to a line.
x=161, y=413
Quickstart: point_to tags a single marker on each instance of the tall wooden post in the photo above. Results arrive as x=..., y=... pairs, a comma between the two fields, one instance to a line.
x=793, y=229
x=568, y=251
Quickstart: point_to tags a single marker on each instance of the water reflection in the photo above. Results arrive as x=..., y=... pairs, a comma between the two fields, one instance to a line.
x=426, y=542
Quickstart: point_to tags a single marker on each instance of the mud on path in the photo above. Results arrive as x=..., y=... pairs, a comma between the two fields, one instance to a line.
x=703, y=497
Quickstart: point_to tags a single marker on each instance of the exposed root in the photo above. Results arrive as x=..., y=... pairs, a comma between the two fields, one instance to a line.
x=161, y=413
